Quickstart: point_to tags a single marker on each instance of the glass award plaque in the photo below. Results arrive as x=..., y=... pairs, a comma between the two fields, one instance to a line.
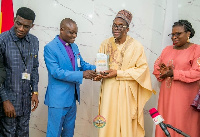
x=102, y=62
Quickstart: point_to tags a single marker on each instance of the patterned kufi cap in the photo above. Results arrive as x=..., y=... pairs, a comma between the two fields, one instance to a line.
x=126, y=15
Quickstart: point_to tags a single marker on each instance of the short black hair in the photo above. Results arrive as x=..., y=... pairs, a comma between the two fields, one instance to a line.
x=26, y=13
x=66, y=21
x=187, y=26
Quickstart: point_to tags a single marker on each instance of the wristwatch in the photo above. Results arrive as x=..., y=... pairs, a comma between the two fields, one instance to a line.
x=35, y=92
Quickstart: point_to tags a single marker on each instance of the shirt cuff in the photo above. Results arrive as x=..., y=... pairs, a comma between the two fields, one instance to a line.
x=176, y=74
x=119, y=74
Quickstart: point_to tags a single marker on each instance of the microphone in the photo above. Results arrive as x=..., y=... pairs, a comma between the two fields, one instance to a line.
x=157, y=118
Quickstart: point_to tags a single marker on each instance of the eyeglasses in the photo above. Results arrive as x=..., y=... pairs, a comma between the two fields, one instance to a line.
x=177, y=34
x=119, y=27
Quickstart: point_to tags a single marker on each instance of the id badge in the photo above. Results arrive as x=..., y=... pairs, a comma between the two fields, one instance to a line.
x=26, y=76
x=78, y=62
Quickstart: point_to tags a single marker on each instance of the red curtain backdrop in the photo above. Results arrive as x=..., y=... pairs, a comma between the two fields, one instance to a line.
x=7, y=15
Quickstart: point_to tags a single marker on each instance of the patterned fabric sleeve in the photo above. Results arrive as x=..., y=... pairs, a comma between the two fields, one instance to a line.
x=3, y=95
x=2, y=70
x=34, y=74
x=196, y=102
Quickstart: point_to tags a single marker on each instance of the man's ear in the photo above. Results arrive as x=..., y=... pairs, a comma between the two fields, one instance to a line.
x=32, y=25
x=14, y=19
x=127, y=29
x=61, y=29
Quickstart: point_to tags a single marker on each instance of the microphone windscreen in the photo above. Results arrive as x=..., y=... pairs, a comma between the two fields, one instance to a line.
x=153, y=112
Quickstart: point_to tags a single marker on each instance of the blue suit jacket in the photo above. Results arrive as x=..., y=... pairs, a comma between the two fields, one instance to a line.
x=62, y=79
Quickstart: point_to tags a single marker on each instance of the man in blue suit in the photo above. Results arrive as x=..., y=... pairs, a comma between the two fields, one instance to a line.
x=66, y=70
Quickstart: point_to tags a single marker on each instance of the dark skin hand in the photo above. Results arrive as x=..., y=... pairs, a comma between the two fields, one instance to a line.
x=89, y=74
x=106, y=74
x=9, y=109
x=165, y=71
x=98, y=77
x=109, y=73
x=34, y=102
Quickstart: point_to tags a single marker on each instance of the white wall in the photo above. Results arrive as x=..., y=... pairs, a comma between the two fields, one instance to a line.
x=152, y=21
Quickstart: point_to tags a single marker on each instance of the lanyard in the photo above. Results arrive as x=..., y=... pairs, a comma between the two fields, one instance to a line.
x=23, y=58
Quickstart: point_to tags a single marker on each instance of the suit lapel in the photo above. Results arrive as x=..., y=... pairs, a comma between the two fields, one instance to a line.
x=75, y=55
x=64, y=53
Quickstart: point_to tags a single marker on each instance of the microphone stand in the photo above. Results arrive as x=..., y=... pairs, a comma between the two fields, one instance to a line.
x=177, y=130
x=164, y=128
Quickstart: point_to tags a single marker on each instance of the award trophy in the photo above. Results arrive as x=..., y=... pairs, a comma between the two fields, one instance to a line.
x=102, y=62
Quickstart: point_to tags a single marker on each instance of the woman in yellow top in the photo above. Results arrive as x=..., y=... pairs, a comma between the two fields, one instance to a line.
x=127, y=86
